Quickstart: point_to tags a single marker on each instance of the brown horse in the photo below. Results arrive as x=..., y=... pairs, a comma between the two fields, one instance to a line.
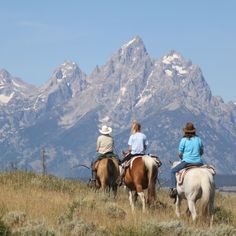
x=108, y=174
x=140, y=175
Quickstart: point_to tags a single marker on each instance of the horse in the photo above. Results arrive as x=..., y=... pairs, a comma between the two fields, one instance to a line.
x=108, y=174
x=141, y=174
x=197, y=184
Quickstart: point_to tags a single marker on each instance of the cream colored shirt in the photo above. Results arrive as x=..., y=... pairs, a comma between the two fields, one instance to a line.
x=105, y=144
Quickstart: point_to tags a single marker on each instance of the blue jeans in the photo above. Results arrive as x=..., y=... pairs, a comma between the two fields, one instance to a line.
x=175, y=169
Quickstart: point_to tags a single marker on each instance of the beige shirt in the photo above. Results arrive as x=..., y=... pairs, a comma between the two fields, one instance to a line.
x=105, y=144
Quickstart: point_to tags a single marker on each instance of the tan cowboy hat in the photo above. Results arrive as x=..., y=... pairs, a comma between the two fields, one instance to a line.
x=189, y=128
x=105, y=130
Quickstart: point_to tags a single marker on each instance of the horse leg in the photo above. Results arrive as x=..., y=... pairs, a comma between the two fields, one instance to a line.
x=103, y=184
x=211, y=213
x=131, y=201
x=135, y=196
x=211, y=208
x=177, y=206
x=142, y=197
x=114, y=190
x=192, y=209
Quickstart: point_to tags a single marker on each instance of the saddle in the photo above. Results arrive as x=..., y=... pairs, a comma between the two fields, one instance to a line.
x=94, y=165
x=181, y=174
x=155, y=158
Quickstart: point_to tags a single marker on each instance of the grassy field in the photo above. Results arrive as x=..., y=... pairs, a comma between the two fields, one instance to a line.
x=45, y=205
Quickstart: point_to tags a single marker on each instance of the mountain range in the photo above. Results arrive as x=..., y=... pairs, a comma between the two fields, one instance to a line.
x=62, y=116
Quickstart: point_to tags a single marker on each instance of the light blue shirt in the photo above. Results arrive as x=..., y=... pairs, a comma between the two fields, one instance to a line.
x=192, y=149
x=138, y=141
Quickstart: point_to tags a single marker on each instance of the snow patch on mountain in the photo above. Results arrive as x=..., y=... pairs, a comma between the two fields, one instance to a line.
x=104, y=120
x=170, y=58
x=169, y=72
x=143, y=100
x=5, y=99
x=123, y=90
x=180, y=69
x=67, y=69
x=129, y=43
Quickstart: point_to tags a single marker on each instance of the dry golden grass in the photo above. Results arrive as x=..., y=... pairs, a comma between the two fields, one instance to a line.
x=70, y=207
x=35, y=202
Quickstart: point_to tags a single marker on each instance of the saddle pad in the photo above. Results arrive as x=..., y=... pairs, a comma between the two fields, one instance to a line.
x=181, y=174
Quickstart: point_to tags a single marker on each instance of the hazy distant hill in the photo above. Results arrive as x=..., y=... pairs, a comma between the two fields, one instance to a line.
x=225, y=180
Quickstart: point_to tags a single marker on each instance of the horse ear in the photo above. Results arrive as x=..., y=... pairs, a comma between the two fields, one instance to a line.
x=171, y=162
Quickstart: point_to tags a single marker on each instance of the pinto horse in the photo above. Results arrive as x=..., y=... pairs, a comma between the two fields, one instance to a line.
x=197, y=184
x=108, y=174
x=140, y=175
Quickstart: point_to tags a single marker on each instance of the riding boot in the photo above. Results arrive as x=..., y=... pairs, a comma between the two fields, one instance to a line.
x=94, y=175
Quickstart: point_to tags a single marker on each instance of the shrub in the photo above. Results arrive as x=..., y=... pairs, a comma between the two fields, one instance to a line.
x=20, y=225
x=4, y=229
x=114, y=212
x=222, y=216
x=15, y=219
x=77, y=228
x=34, y=230
x=223, y=230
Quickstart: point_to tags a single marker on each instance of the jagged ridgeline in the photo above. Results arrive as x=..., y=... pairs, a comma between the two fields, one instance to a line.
x=62, y=116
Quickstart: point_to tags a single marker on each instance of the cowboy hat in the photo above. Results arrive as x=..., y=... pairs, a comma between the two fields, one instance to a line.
x=105, y=130
x=189, y=128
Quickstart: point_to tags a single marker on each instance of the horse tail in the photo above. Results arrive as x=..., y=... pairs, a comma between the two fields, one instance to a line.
x=208, y=193
x=151, y=166
x=111, y=170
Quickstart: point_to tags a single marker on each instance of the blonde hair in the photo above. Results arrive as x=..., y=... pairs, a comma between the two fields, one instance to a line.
x=136, y=127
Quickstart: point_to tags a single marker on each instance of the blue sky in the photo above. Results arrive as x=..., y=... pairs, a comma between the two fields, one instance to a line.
x=38, y=36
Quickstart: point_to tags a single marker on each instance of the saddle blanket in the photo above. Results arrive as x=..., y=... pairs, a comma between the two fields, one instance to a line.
x=180, y=175
x=155, y=158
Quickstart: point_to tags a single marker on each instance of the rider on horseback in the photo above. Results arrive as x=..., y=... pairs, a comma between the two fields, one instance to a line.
x=190, y=152
x=137, y=145
x=104, y=147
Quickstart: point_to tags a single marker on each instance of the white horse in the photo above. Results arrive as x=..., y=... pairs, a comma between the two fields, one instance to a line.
x=198, y=183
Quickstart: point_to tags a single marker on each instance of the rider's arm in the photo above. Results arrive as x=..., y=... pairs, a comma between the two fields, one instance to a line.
x=129, y=148
x=181, y=155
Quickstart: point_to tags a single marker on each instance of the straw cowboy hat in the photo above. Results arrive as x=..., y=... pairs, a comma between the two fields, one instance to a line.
x=189, y=128
x=105, y=130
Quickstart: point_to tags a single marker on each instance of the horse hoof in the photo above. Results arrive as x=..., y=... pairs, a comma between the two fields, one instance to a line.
x=173, y=193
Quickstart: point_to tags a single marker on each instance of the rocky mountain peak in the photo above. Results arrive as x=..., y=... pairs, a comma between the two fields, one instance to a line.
x=135, y=42
x=65, y=72
x=131, y=52
x=173, y=57
x=6, y=79
x=4, y=76
x=12, y=87
x=175, y=64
